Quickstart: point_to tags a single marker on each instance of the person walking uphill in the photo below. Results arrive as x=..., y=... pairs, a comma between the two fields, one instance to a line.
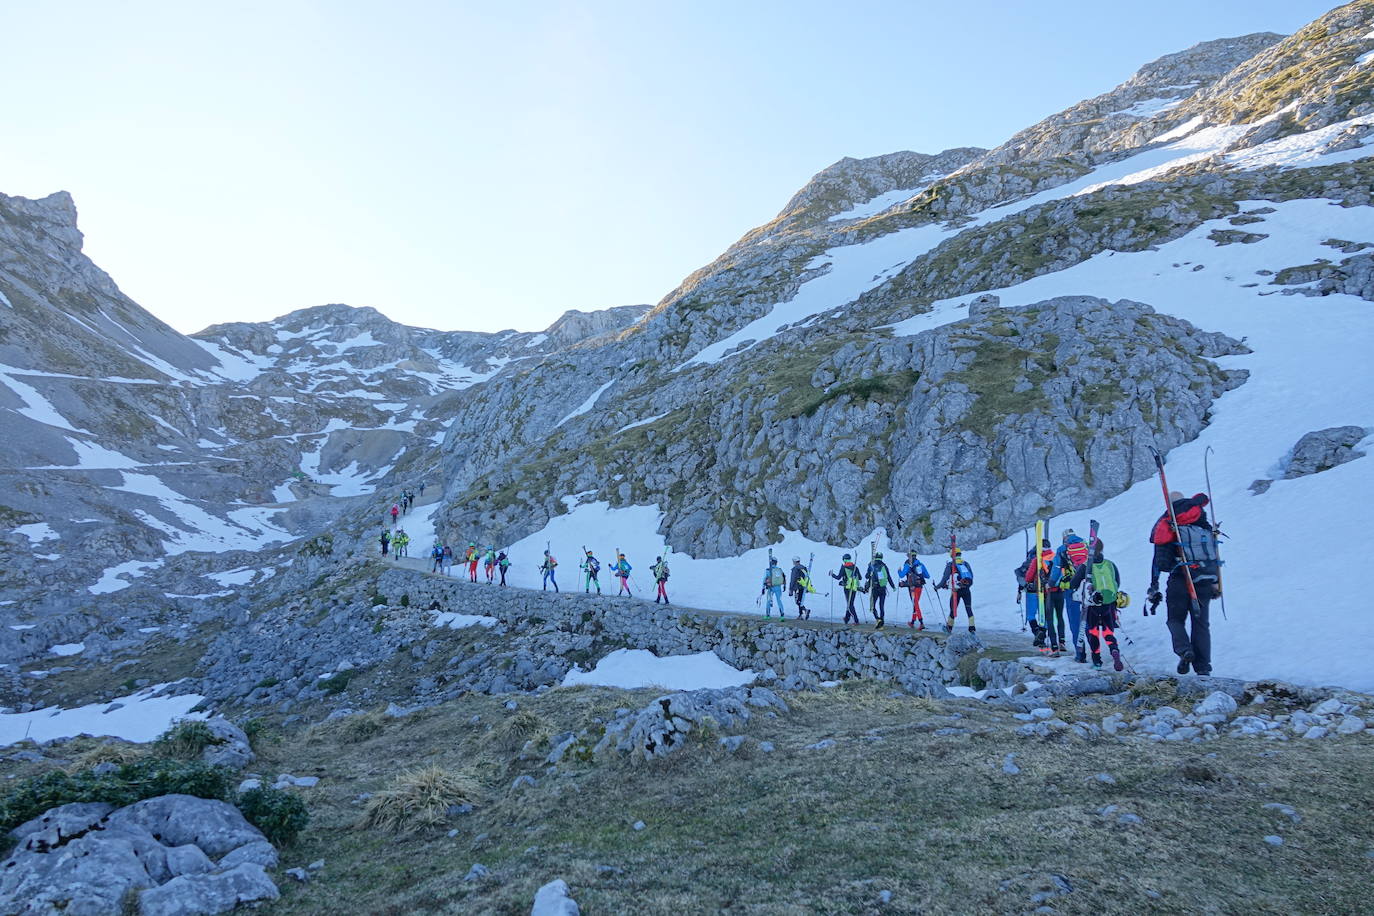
x=773, y=581
x=914, y=576
x=877, y=578
x=798, y=583
x=590, y=567
x=470, y=557
x=621, y=568
x=958, y=578
x=386, y=541
x=1104, y=587
x=1025, y=585
x=660, y=571
x=547, y=569
x=1072, y=554
x=502, y=564
x=849, y=580
x=1188, y=551
x=395, y=511
x=1037, y=579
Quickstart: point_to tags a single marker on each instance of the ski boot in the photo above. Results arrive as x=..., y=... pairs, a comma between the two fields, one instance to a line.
x=1116, y=660
x=1097, y=662
x=948, y=628
x=1185, y=661
x=972, y=628
x=1080, y=655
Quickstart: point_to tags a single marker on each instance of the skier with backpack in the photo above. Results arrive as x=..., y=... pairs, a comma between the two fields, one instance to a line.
x=400, y=543
x=913, y=578
x=1025, y=578
x=503, y=564
x=547, y=569
x=448, y=560
x=849, y=580
x=386, y=541
x=660, y=572
x=395, y=511
x=774, y=579
x=798, y=584
x=1101, y=582
x=436, y=555
x=621, y=569
x=1186, y=553
x=590, y=567
x=489, y=564
x=877, y=578
x=1037, y=582
x=1072, y=554
x=958, y=578
x=470, y=557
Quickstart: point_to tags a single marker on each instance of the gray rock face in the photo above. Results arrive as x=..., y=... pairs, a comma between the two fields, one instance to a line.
x=1324, y=449
x=87, y=859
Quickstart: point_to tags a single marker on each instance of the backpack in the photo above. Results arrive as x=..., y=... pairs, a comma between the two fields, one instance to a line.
x=1199, y=550
x=776, y=576
x=662, y=573
x=593, y=565
x=1105, y=585
x=851, y=577
x=880, y=576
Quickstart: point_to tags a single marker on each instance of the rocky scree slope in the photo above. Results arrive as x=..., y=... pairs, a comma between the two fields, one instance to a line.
x=773, y=389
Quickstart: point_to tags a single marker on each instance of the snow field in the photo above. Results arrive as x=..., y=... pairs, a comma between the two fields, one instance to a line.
x=138, y=717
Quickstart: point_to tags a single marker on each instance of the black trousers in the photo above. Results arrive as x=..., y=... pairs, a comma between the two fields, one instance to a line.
x=1199, y=640
x=849, y=606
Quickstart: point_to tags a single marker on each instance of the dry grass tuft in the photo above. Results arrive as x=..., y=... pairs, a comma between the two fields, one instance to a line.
x=513, y=733
x=420, y=798
x=116, y=752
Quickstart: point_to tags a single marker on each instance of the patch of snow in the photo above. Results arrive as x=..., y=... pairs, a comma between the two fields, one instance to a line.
x=37, y=532
x=232, y=576
x=36, y=407
x=197, y=529
x=536, y=340
x=456, y=621
x=1148, y=108
x=1364, y=59
x=117, y=577
x=644, y=422
x=144, y=716
x=282, y=492
x=149, y=629
x=632, y=668
x=1304, y=150
x=878, y=204
x=1182, y=130
x=68, y=648
x=22, y=626
x=587, y=404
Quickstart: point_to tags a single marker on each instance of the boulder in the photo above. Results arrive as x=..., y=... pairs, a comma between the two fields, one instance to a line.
x=554, y=899
x=202, y=895
x=1323, y=449
x=216, y=827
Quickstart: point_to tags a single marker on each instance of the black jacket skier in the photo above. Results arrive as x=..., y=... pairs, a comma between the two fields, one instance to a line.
x=1191, y=547
x=877, y=579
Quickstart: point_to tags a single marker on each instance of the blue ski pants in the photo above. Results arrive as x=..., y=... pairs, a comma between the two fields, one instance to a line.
x=774, y=593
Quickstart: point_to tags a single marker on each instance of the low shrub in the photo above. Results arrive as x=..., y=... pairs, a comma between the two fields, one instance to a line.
x=280, y=815
x=131, y=782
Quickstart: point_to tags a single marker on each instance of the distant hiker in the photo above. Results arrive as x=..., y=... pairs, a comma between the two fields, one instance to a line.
x=489, y=564
x=436, y=554
x=503, y=564
x=422, y=488
x=1102, y=586
x=470, y=557
x=395, y=511
x=958, y=578
x=773, y=581
x=1192, y=548
x=849, y=580
x=546, y=568
x=913, y=578
x=621, y=569
x=1072, y=553
x=448, y=560
x=660, y=571
x=386, y=541
x=590, y=567
x=878, y=577
x=798, y=584
x=1025, y=582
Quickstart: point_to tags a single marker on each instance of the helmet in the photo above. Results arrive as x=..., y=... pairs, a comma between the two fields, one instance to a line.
x=845, y=557
x=911, y=553
x=796, y=559
x=658, y=559
x=956, y=552
x=1068, y=532
x=878, y=555
x=1123, y=600
x=589, y=553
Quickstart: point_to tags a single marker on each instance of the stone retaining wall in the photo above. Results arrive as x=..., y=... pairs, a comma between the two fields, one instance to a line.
x=800, y=655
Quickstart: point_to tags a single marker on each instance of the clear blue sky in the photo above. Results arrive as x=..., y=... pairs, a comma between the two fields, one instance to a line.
x=488, y=165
